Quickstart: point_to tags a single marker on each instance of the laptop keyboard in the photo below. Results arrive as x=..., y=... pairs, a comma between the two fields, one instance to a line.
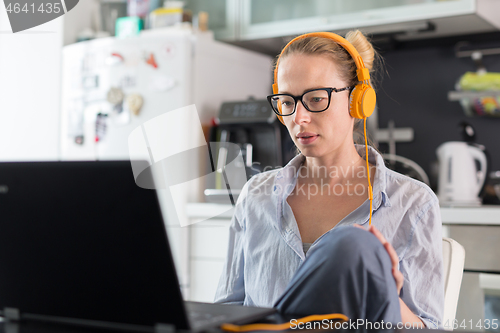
x=202, y=318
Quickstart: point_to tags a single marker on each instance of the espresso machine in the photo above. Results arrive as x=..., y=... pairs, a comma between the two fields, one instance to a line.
x=249, y=134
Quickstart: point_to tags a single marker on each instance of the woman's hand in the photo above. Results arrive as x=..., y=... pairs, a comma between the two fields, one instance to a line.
x=398, y=276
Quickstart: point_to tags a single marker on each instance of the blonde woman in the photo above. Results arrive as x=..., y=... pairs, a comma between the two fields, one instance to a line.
x=292, y=241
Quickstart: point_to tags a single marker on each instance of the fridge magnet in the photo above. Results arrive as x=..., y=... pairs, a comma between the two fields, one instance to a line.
x=114, y=59
x=151, y=60
x=90, y=82
x=170, y=50
x=128, y=81
x=115, y=96
x=134, y=103
x=100, y=126
x=79, y=140
x=120, y=114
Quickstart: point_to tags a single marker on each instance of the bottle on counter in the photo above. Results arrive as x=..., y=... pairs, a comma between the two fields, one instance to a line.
x=138, y=8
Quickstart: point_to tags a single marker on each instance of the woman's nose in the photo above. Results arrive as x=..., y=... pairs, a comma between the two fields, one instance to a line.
x=301, y=114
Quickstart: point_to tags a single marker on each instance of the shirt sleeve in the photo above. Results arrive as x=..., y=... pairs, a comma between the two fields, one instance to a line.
x=231, y=288
x=422, y=266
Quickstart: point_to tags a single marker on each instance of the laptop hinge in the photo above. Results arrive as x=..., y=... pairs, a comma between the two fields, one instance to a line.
x=164, y=328
x=11, y=314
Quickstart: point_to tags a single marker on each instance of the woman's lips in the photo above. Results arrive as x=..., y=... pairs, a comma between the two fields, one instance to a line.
x=307, y=139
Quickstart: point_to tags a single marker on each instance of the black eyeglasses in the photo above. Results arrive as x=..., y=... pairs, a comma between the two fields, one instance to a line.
x=314, y=100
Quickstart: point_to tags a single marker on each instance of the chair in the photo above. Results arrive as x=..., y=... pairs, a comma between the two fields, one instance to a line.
x=453, y=262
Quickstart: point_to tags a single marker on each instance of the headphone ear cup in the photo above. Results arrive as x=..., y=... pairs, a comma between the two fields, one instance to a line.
x=353, y=103
x=362, y=101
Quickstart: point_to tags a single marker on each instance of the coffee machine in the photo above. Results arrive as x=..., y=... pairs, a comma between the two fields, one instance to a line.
x=249, y=133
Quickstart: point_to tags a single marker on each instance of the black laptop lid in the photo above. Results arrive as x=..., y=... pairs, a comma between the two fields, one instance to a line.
x=81, y=240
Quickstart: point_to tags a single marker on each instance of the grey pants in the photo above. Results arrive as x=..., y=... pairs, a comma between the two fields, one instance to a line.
x=349, y=272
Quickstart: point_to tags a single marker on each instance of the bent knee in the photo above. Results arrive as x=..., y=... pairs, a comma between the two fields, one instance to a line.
x=349, y=240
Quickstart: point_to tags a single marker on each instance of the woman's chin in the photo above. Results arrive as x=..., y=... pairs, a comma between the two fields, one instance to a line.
x=310, y=151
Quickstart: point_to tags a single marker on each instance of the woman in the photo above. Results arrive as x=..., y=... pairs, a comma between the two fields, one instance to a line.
x=292, y=244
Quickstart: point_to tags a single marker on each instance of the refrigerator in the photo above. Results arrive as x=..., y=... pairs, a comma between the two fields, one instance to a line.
x=112, y=87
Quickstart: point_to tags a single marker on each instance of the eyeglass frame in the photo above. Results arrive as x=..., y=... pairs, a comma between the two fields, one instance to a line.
x=299, y=98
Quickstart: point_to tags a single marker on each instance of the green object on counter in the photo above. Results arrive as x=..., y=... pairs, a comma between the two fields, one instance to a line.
x=474, y=81
x=128, y=26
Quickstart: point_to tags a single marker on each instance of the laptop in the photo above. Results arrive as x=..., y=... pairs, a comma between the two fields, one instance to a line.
x=81, y=243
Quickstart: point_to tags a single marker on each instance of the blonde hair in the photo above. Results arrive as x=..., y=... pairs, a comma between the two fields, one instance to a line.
x=345, y=63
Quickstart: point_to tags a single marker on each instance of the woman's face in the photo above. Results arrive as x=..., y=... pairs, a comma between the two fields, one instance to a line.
x=316, y=134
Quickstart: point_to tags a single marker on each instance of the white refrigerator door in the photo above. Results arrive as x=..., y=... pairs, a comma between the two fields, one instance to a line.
x=156, y=67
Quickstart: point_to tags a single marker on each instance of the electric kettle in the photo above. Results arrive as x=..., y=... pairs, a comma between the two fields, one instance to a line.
x=460, y=177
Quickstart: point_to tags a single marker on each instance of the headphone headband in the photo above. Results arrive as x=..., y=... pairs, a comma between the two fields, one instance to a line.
x=362, y=72
x=362, y=99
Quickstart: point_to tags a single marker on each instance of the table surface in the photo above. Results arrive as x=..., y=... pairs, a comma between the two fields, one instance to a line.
x=37, y=327
x=481, y=215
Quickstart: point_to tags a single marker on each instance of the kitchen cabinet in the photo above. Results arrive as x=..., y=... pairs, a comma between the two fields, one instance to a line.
x=207, y=240
x=261, y=24
x=222, y=16
x=263, y=19
x=477, y=229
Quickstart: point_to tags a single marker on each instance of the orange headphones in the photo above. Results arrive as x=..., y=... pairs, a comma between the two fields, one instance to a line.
x=362, y=99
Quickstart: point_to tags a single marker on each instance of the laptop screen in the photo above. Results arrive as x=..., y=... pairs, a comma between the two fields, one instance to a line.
x=81, y=240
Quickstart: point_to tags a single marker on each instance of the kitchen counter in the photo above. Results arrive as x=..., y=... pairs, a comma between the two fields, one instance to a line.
x=202, y=210
x=482, y=215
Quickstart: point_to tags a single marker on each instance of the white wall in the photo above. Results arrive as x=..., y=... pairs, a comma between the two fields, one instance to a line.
x=29, y=90
x=85, y=15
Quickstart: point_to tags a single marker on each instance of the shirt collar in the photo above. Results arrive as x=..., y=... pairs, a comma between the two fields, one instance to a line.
x=286, y=179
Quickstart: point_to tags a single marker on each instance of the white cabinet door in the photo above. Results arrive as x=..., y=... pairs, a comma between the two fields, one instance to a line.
x=209, y=239
x=266, y=19
x=204, y=279
x=222, y=16
x=208, y=248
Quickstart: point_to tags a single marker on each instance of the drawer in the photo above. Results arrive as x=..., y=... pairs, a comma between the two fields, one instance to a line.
x=481, y=245
x=205, y=275
x=209, y=240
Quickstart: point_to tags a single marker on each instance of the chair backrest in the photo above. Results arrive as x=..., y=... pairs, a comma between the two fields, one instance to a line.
x=453, y=262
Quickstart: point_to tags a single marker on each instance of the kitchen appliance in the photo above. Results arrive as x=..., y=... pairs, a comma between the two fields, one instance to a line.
x=406, y=167
x=398, y=163
x=462, y=173
x=249, y=128
x=492, y=189
x=112, y=86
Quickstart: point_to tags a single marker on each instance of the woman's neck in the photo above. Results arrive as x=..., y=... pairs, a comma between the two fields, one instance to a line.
x=337, y=167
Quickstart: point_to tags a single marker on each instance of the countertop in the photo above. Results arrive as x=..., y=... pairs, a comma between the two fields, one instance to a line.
x=482, y=215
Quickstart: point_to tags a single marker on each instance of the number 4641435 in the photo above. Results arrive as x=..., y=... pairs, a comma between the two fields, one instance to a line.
x=47, y=8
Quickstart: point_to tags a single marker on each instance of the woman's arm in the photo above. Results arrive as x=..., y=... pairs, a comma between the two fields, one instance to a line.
x=231, y=288
x=407, y=316
x=422, y=264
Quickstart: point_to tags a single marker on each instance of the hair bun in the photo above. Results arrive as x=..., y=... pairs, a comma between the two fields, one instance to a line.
x=363, y=46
